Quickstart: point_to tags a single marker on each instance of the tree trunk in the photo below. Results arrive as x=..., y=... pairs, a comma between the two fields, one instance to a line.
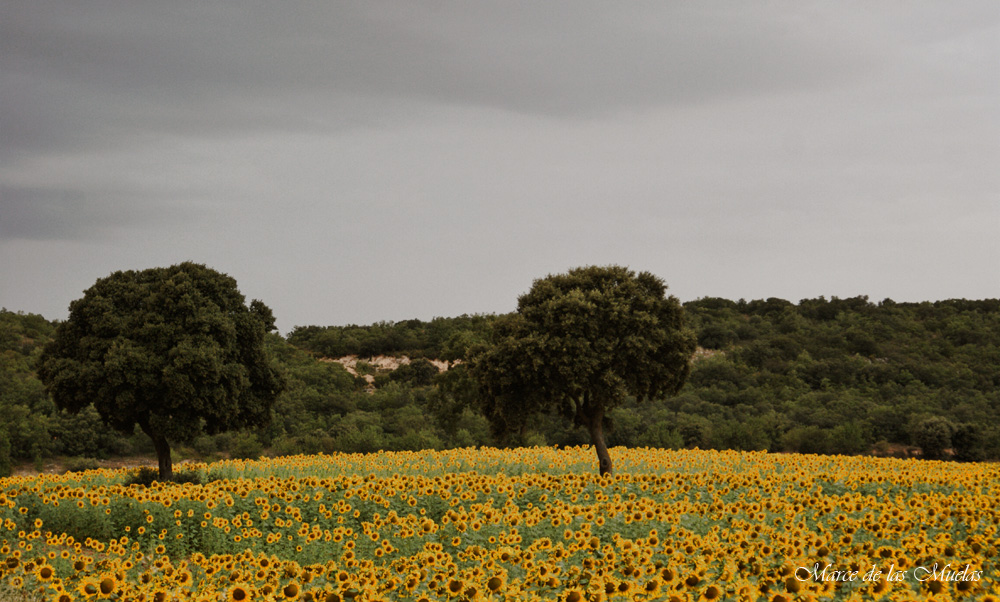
x=162, y=447
x=597, y=438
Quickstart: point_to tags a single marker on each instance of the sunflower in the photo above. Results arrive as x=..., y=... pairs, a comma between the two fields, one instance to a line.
x=239, y=592
x=573, y=595
x=44, y=572
x=652, y=587
x=965, y=587
x=881, y=588
x=88, y=586
x=935, y=586
x=494, y=584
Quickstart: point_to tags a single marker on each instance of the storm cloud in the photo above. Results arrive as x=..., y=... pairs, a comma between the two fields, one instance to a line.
x=358, y=161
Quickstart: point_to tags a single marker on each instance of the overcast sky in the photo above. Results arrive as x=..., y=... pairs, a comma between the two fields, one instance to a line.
x=349, y=162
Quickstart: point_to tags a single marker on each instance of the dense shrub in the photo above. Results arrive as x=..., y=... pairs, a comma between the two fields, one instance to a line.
x=246, y=446
x=810, y=439
x=969, y=443
x=6, y=466
x=933, y=435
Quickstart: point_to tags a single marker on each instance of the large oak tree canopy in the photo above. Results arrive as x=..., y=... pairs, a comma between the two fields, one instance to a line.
x=579, y=344
x=175, y=350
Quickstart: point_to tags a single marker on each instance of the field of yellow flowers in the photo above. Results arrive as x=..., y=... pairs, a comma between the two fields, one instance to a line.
x=522, y=524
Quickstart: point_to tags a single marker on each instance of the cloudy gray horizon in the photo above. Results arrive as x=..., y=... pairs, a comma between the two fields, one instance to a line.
x=353, y=162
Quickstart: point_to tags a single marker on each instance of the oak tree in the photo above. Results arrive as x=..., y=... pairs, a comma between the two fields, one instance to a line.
x=173, y=350
x=579, y=344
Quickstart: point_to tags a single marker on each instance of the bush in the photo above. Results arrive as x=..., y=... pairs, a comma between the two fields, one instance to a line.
x=419, y=372
x=246, y=447
x=310, y=443
x=533, y=439
x=416, y=441
x=204, y=445
x=366, y=440
x=626, y=427
x=806, y=440
x=748, y=435
x=933, y=435
x=849, y=439
x=696, y=431
x=716, y=335
x=223, y=441
x=462, y=438
x=285, y=446
x=6, y=466
x=84, y=435
x=661, y=435
x=969, y=443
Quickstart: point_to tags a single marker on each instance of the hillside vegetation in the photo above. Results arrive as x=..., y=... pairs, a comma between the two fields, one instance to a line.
x=821, y=376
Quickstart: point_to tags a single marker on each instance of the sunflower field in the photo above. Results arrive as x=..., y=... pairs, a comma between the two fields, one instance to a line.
x=511, y=524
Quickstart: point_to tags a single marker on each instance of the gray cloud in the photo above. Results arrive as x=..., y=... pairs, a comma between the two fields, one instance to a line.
x=100, y=73
x=66, y=214
x=358, y=161
x=215, y=67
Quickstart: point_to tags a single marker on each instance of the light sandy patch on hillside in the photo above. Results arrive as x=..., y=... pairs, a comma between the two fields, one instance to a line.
x=381, y=363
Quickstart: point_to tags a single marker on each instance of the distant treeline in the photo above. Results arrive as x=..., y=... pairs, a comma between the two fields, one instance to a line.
x=440, y=338
x=843, y=375
x=820, y=376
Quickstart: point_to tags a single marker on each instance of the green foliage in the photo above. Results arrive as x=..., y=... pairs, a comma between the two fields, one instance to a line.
x=205, y=445
x=716, y=335
x=84, y=434
x=824, y=376
x=751, y=434
x=843, y=373
x=6, y=467
x=453, y=402
x=579, y=345
x=246, y=447
x=443, y=338
x=366, y=440
x=419, y=372
x=173, y=350
x=933, y=435
x=969, y=443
